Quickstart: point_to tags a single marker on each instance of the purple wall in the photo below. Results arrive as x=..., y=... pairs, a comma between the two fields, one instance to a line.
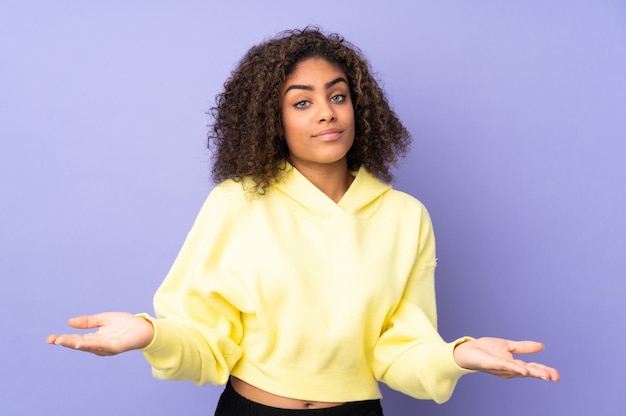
x=518, y=111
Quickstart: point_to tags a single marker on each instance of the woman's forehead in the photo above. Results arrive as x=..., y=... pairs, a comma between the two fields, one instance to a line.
x=315, y=68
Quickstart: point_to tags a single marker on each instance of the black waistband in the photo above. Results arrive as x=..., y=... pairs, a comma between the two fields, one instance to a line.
x=232, y=403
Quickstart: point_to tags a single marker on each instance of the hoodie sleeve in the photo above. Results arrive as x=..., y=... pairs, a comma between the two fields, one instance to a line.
x=410, y=355
x=198, y=326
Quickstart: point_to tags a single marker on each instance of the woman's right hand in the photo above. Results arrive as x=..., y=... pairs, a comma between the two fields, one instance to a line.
x=117, y=332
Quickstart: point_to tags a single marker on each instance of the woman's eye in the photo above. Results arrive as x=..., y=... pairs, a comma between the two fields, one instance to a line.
x=339, y=98
x=301, y=104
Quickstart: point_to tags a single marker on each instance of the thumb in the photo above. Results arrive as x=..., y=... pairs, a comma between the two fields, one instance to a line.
x=526, y=347
x=85, y=321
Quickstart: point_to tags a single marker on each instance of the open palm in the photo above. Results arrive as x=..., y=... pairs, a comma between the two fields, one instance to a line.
x=117, y=332
x=496, y=356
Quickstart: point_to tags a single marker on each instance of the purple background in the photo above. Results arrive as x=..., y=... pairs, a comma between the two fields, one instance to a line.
x=518, y=112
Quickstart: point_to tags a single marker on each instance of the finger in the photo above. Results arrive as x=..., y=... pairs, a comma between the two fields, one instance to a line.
x=524, y=370
x=554, y=374
x=509, y=367
x=85, y=343
x=525, y=347
x=543, y=372
x=66, y=340
x=85, y=321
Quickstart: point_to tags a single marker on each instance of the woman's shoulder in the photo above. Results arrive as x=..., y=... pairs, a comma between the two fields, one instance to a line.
x=235, y=190
x=405, y=200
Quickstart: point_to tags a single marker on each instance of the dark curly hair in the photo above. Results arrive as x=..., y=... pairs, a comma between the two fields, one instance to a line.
x=246, y=137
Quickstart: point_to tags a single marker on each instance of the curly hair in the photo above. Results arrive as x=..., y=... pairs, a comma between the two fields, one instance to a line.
x=246, y=137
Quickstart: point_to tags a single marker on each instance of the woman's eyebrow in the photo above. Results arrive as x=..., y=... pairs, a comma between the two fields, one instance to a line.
x=335, y=81
x=310, y=88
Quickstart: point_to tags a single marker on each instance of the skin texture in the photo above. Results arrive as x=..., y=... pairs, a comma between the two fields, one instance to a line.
x=318, y=122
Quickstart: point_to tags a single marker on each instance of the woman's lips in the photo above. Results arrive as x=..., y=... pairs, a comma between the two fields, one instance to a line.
x=328, y=134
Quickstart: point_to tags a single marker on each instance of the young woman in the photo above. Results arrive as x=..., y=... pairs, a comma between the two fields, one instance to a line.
x=306, y=278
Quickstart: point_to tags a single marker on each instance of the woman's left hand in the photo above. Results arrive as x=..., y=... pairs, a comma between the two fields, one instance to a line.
x=495, y=356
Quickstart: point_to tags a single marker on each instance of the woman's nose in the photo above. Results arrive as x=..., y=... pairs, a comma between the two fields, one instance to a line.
x=326, y=113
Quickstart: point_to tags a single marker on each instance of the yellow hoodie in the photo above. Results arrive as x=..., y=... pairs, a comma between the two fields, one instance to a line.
x=306, y=298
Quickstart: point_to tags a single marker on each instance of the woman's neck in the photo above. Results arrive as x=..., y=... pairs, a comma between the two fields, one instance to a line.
x=332, y=179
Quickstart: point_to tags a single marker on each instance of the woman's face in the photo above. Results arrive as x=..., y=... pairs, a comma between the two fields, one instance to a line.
x=318, y=117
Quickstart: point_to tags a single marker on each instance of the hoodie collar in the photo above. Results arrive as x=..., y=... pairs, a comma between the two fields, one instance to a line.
x=362, y=197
